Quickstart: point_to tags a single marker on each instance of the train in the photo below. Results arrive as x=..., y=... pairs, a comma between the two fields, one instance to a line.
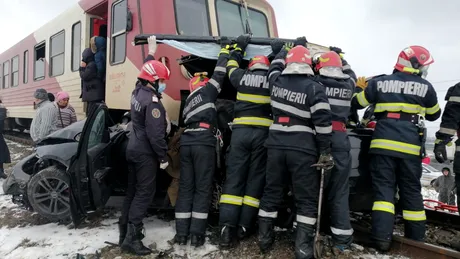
x=50, y=57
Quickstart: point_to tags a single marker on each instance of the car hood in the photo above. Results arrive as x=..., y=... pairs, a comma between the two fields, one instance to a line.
x=68, y=132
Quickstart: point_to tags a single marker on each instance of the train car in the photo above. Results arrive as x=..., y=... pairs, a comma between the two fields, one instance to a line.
x=50, y=57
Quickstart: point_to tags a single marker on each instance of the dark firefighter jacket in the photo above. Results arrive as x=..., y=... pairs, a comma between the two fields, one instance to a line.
x=340, y=92
x=301, y=111
x=200, y=115
x=445, y=185
x=450, y=121
x=398, y=98
x=148, y=121
x=252, y=105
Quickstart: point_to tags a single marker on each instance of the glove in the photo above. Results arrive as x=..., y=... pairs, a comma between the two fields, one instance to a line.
x=288, y=46
x=336, y=50
x=361, y=83
x=164, y=164
x=326, y=160
x=242, y=41
x=152, y=40
x=276, y=45
x=301, y=41
x=440, y=152
x=225, y=42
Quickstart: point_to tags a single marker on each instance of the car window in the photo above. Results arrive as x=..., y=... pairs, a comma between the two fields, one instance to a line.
x=97, y=130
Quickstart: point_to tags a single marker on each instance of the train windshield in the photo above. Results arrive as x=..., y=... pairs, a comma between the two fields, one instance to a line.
x=231, y=18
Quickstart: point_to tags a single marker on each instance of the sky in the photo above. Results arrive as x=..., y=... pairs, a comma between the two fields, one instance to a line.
x=371, y=33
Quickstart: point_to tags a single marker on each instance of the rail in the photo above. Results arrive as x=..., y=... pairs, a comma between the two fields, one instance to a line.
x=19, y=137
x=407, y=247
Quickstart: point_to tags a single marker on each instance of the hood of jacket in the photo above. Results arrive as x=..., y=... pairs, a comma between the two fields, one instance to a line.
x=448, y=170
x=87, y=56
x=98, y=44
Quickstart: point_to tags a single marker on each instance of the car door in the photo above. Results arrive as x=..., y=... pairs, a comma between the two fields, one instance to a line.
x=89, y=167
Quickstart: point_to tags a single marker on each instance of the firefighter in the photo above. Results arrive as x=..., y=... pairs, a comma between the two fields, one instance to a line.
x=396, y=144
x=300, y=131
x=339, y=89
x=449, y=126
x=146, y=150
x=247, y=157
x=198, y=152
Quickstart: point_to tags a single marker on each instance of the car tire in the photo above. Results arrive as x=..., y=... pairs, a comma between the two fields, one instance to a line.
x=48, y=194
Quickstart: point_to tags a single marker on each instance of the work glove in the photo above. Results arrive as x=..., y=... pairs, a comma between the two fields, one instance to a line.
x=440, y=152
x=301, y=41
x=336, y=50
x=288, y=46
x=276, y=45
x=326, y=160
x=152, y=40
x=225, y=43
x=242, y=41
x=164, y=164
x=361, y=82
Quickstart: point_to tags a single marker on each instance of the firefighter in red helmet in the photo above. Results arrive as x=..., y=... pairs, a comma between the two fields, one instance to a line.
x=146, y=150
x=301, y=131
x=400, y=99
x=245, y=180
x=339, y=89
x=198, y=152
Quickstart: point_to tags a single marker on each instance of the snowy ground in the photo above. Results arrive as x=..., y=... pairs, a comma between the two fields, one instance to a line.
x=24, y=234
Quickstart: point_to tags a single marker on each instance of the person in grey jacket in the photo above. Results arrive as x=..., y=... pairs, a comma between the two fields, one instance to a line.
x=45, y=120
x=445, y=186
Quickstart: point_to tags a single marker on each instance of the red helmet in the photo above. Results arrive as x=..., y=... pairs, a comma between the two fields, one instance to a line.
x=198, y=81
x=329, y=64
x=298, y=54
x=153, y=70
x=298, y=61
x=259, y=62
x=414, y=59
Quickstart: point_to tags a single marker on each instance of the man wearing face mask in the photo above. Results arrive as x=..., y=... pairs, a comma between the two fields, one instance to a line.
x=146, y=150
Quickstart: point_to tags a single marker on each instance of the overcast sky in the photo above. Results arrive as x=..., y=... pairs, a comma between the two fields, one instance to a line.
x=372, y=33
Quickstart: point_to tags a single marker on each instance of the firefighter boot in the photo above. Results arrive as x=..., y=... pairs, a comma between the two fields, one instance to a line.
x=226, y=237
x=197, y=240
x=122, y=229
x=244, y=232
x=132, y=243
x=181, y=240
x=304, y=241
x=266, y=234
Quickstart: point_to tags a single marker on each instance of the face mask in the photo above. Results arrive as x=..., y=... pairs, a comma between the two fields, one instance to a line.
x=161, y=87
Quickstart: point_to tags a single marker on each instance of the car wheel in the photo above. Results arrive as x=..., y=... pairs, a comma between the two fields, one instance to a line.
x=48, y=193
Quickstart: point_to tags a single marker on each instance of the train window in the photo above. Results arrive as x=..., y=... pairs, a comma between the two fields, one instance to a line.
x=119, y=23
x=15, y=71
x=6, y=74
x=76, y=46
x=57, y=48
x=25, y=74
x=196, y=24
x=39, y=64
x=231, y=18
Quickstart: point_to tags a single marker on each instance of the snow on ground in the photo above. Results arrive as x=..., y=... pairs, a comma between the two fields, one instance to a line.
x=429, y=193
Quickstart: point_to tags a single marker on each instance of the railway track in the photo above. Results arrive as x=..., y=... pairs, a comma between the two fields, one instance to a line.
x=19, y=137
x=406, y=247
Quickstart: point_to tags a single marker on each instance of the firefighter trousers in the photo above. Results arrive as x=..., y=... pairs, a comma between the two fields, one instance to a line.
x=457, y=172
x=245, y=179
x=195, y=189
x=142, y=174
x=386, y=173
x=337, y=193
x=284, y=166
